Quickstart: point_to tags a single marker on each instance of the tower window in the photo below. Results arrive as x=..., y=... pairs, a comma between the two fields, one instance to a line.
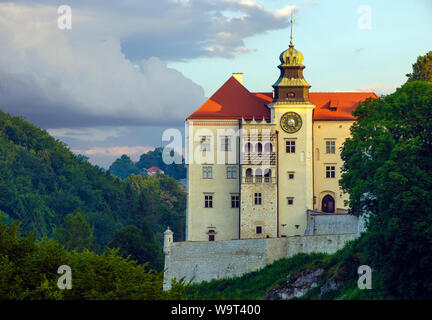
x=330, y=171
x=258, y=198
x=290, y=175
x=207, y=172
x=235, y=201
x=205, y=144
x=259, y=230
x=226, y=144
x=290, y=201
x=290, y=146
x=330, y=146
x=231, y=172
x=208, y=201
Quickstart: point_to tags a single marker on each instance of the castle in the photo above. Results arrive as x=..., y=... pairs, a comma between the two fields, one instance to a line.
x=264, y=166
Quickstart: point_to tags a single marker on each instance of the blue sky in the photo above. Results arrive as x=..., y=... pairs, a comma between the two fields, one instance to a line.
x=127, y=70
x=338, y=54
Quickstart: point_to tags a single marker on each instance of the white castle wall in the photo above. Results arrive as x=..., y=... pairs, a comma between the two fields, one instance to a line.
x=324, y=223
x=205, y=260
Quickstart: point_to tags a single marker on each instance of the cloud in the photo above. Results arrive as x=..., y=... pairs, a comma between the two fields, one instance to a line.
x=109, y=70
x=88, y=134
x=174, y=29
x=104, y=157
x=134, y=151
x=378, y=88
x=57, y=81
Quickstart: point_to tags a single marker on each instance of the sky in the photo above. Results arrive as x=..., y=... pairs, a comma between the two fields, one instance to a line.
x=109, y=78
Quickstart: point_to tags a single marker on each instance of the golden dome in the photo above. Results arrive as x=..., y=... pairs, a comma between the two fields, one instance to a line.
x=291, y=57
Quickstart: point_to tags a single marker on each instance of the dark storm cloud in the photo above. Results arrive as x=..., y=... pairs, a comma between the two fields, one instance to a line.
x=109, y=70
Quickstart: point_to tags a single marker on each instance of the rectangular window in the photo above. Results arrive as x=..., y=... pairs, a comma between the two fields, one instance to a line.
x=259, y=230
x=231, y=172
x=235, y=201
x=330, y=171
x=290, y=146
x=208, y=201
x=290, y=201
x=330, y=146
x=258, y=198
x=226, y=144
x=290, y=175
x=207, y=173
x=211, y=237
x=205, y=144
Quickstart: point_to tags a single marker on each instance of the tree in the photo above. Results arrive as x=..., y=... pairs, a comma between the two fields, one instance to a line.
x=388, y=174
x=154, y=158
x=77, y=233
x=139, y=245
x=123, y=167
x=28, y=270
x=422, y=69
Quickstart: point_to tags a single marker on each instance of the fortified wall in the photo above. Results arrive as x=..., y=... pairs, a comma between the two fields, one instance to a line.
x=206, y=260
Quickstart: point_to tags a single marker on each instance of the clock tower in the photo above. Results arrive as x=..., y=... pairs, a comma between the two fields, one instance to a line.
x=291, y=113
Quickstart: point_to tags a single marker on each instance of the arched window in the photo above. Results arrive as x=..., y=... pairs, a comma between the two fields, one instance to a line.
x=328, y=204
x=249, y=176
x=267, y=175
x=268, y=147
x=258, y=147
x=248, y=147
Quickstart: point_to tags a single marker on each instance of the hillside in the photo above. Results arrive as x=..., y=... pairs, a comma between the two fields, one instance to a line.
x=42, y=182
x=123, y=167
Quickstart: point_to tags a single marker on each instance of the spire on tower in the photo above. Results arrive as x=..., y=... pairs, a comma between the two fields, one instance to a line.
x=291, y=42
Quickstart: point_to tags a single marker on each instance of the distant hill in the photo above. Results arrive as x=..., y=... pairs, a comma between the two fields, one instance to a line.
x=123, y=167
x=42, y=181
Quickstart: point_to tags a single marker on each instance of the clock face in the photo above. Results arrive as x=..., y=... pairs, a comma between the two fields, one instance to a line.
x=291, y=122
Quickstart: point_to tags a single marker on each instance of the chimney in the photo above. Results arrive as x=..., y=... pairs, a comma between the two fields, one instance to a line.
x=238, y=76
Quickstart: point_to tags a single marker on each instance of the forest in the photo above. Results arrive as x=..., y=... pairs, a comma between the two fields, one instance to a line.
x=56, y=194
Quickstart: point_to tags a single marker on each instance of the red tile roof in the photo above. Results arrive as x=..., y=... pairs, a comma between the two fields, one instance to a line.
x=234, y=101
x=154, y=169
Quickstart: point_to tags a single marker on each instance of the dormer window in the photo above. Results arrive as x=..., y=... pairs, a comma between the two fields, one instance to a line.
x=333, y=105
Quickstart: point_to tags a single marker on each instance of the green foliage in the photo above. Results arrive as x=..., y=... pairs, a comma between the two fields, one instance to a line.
x=139, y=245
x=76, y=234
x=161, y=201
x=123, y=167
x=42, y=182
x=28, y=270
x=387, y=172
x=155, y=158
x=422, y=69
